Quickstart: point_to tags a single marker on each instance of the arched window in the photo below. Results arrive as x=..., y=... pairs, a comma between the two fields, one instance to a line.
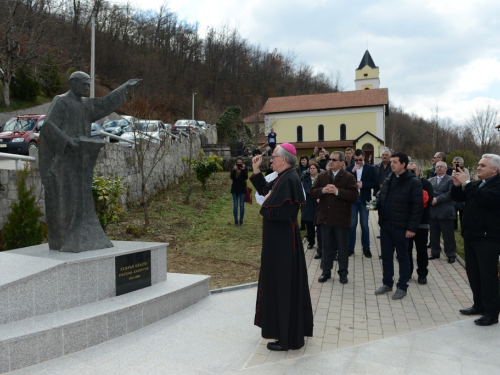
x=321, y=133
x=342, y=132
x=299, y=133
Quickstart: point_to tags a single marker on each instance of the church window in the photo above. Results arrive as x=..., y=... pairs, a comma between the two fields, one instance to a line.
x=299, y=133
x=342, y=132
x=321, y=133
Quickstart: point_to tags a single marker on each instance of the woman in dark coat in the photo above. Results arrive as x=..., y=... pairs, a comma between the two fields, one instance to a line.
x=309, y=209
x=239, y=175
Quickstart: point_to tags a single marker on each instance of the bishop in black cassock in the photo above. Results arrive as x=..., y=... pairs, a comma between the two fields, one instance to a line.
x=283, y=308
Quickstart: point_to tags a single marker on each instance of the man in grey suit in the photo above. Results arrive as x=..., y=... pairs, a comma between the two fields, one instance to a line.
x=442, y=214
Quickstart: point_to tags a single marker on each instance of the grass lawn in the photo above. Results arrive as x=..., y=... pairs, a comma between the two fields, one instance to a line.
x=202, y=236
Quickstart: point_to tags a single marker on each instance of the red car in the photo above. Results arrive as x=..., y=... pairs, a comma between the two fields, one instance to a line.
x=16, y=135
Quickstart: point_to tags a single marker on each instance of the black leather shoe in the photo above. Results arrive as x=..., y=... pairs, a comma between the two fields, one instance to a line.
x=378, y=236
x=335, y=256
x=367, y=253
x=310, y=246
x=433, y=257
x=422, y=280
x=451, y=260
x=471, y=311
x=428, y=245
x=486, y=321
x=324, y=277
x=317, y=256
x=343, y=279
x=351, y=252
x=275, y=346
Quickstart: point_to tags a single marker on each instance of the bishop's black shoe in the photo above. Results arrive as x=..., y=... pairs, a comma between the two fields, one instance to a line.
x=343, y=279
x=433, y=257
x=275, y=346
x=317, y=256
x=486, y=321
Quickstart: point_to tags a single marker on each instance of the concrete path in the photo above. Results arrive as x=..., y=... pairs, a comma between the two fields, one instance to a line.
x=355, y=332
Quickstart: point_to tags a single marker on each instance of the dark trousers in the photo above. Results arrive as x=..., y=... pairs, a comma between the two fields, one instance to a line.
x=318, y=234
x=334, y=237
x=391, y=239
x=273, y=146
x=445, y=226
x=481, y=259
x=311, y=232
x=420, y=241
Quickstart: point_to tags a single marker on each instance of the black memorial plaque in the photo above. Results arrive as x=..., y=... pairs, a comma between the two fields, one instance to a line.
x=133, y=272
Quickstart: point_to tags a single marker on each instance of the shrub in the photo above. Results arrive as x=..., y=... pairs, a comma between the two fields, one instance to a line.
x=23, y=228
x=106, y=192
x=205, y=167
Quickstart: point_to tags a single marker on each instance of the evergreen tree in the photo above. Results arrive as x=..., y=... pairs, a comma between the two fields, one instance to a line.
x=22, y=227
x=230, y=125
x=24, y=86
x=50, y=77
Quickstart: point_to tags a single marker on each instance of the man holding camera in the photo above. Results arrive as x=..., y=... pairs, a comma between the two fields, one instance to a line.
x=481, y=236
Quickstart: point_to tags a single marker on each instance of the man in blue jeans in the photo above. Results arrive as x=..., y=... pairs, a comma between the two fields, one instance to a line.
x=400, y=207
x=366, y=180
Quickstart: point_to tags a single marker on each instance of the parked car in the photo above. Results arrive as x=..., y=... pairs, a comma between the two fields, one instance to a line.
x=16, y=135
x=130, y=119
x=186, y=126
x=115, y=127
x=144, y=129
x=202, y=124
x=95, y=130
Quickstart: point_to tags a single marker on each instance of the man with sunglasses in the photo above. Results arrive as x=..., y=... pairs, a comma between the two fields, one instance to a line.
x=438, y=156
x=336, y=189
x=366, y=180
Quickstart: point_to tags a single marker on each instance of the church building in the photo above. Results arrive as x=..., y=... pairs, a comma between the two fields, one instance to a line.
x=334, y=121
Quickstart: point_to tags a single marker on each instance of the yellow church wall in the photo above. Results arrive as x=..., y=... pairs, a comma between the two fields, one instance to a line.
x=371, y=73
x=356, y=124
x=364, y=87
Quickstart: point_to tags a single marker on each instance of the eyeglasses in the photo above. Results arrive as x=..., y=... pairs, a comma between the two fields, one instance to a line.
x=440, y=166
x=333, y=159
x=359, y=159
x=276, y=156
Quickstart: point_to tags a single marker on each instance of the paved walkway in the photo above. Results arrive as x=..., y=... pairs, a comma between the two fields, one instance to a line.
x=355, y=332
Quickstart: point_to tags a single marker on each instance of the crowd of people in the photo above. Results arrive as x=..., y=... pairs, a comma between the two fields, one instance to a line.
x=333, y=191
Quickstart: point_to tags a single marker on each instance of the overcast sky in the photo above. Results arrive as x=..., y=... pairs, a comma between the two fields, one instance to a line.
x=443, y=53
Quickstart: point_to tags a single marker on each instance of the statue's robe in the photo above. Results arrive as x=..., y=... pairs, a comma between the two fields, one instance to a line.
x=66, y=172
x=283, y=308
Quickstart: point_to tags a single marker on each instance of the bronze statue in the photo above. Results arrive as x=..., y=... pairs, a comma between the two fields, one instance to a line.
x=68, y=156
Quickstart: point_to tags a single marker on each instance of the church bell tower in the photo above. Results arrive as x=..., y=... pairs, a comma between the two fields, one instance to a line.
x=367, y=74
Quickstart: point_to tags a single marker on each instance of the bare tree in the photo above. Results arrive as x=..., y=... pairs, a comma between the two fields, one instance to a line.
x=482, y=122
x=24, y=31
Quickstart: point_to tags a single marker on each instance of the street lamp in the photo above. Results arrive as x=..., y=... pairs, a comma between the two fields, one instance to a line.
x=92, y=59
x=192, y=112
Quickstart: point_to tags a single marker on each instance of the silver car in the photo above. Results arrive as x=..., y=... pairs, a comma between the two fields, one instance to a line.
x=185, y=126
x=152, y=130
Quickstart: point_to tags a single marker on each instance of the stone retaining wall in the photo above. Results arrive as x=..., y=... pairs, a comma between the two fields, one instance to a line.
x=119, y=161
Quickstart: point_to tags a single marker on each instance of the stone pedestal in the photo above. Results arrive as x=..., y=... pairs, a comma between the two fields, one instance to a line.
x=56, y=303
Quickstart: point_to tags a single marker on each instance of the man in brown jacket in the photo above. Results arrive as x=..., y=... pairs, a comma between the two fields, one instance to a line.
x=336, y=189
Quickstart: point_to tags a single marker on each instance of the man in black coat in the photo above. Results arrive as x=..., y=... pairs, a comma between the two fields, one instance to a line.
x=481, y=236
x=366, y=180
x=400, y=207
x=422, y=234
